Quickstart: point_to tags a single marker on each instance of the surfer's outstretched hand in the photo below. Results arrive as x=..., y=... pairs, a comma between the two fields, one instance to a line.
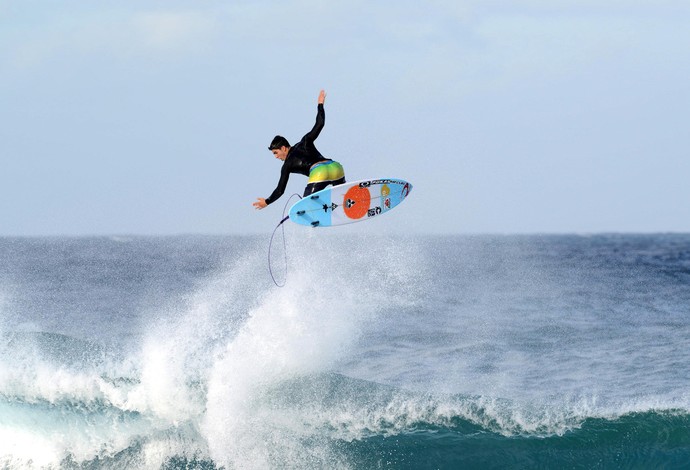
x=260, y=203
x=322, y=96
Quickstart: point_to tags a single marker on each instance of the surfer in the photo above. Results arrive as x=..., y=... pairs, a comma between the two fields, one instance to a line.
x=303, y=158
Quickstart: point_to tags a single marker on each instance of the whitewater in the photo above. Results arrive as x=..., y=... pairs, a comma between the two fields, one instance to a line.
x=560, y=351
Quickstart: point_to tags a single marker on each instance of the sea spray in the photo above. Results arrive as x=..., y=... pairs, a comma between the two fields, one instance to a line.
x=303, y=329
x=179, y=344
x=294, y=332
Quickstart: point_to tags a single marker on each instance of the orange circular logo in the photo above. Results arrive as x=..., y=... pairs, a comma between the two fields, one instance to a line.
x=356, y=202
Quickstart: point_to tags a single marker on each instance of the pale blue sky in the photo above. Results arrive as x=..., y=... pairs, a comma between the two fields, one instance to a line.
x=136, y=117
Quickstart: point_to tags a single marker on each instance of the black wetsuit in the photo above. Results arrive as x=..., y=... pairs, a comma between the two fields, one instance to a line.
x=301, y=157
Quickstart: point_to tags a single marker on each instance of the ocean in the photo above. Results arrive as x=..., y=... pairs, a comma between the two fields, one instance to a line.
x=404, y=352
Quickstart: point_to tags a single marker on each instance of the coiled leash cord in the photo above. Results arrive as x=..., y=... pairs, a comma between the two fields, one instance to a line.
x=270, y=244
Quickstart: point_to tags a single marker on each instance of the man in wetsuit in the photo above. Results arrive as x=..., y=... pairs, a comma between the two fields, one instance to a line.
x=305, y=159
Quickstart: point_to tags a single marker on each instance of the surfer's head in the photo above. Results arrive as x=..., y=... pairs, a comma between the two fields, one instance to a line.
x=279, y=141
x=279, y=147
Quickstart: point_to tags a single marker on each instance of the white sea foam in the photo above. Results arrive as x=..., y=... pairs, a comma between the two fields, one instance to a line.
x=292, y=332
x=300, y=330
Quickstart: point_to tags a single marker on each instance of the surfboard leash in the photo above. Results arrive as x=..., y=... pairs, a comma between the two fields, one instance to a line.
x=270, y=244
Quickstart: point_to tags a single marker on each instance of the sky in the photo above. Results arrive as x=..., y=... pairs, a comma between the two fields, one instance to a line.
x=533, y=116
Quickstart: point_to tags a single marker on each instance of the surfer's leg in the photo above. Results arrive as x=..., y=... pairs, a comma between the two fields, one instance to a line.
x=313, y=187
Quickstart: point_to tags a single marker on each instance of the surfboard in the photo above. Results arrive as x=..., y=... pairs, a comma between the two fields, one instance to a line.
x=350, y=202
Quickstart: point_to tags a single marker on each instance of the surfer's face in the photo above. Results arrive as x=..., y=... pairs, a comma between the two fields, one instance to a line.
x=281, y=153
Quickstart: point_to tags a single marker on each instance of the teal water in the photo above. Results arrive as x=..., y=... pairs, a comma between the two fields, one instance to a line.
x=420, y=352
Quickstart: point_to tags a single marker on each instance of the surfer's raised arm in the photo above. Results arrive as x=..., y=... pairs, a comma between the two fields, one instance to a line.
x=311, y=136
x=303, y=158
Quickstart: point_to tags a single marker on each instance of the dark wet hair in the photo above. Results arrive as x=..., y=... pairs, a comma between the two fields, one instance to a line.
x=277, y=142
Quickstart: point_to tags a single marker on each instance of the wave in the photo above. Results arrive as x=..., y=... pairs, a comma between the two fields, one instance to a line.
x=639, y=440
x=330, y=420
x=237, y=376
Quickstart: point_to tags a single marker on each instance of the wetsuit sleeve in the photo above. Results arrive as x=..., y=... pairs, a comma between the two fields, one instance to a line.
x=320, y=122
x=282, y=184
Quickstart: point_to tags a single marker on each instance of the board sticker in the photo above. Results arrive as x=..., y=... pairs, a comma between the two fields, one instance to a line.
x=356, y=202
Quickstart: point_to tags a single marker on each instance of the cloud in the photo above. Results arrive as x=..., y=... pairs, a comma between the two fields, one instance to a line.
x=116, y=33
x=172, y=30
x=486, y=47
